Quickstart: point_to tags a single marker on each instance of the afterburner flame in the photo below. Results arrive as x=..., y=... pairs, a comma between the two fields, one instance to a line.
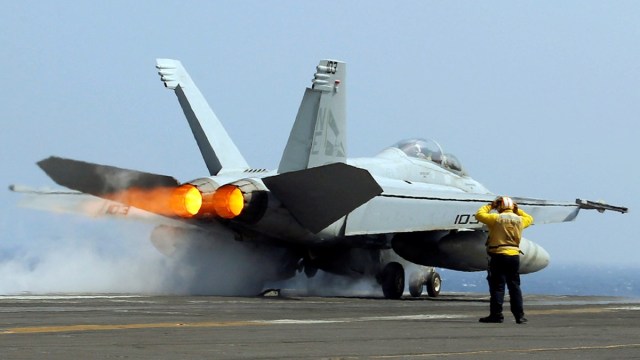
x=228, y=201
x=183, y=201
x=186, y=201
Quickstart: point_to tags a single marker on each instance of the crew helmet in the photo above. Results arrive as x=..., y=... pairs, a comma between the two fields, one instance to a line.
x=504, y=203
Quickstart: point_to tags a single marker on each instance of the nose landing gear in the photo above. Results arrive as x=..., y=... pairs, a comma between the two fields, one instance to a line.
x=418, y=280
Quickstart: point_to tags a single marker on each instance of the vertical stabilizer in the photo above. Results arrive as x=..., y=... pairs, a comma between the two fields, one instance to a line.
x=318, y=136
x=219, y=152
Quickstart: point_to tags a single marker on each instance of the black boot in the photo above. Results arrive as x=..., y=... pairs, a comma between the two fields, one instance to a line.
x=493, y=318
x=521, y=320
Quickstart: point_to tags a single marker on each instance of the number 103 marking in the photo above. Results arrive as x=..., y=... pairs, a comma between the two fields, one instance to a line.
x=464, y=219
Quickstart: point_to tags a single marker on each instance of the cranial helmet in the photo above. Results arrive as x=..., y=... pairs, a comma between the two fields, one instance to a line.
x=504, y=203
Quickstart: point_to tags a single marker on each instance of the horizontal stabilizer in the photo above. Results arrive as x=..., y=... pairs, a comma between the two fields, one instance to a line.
x=99, y=180
x=319, y=196
x=24, y=189
x=71, y=202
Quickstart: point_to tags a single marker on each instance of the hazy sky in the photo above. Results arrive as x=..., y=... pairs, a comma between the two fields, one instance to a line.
x=536, y=98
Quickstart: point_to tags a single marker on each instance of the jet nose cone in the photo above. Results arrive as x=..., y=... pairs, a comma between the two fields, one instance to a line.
x=535, y=257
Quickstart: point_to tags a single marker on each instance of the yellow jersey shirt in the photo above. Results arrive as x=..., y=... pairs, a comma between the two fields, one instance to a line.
x=505, y=229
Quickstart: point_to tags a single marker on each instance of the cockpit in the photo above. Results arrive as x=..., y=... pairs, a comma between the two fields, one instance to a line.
x=429, y=150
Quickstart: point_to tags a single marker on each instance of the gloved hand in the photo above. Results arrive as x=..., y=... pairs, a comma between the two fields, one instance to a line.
x=495, y=203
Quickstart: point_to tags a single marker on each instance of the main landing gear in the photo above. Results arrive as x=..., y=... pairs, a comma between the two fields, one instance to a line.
x=392, y=280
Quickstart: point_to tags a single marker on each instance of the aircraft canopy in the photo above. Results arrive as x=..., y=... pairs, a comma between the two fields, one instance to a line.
x=427, y=149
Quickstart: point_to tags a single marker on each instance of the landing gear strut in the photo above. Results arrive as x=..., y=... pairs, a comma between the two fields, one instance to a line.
x=416, y=283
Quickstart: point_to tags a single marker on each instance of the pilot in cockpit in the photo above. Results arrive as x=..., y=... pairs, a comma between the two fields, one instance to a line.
x=421, y=149
x=415, y=150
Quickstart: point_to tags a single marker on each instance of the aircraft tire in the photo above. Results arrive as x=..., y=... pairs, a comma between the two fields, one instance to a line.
x=392, y=280
x=416, y=284
x=434, y=284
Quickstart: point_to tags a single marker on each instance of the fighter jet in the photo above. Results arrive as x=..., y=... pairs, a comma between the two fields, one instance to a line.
x=411, y=204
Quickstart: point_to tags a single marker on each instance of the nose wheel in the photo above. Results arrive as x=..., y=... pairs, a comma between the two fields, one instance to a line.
x=434, y=284
x=418, y=280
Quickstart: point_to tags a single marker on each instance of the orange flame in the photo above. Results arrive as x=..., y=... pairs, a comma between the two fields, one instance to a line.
x=227, y=201
x=186, y=201
x=183, y=201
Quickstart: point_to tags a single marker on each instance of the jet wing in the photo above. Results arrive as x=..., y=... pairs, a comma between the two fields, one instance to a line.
x=600, y=206
x=409, y=207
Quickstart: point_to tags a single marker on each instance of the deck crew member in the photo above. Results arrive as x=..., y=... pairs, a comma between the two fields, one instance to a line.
x=505, y=233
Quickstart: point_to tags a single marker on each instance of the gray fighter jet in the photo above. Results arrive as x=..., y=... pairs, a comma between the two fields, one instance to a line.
x=412, y=204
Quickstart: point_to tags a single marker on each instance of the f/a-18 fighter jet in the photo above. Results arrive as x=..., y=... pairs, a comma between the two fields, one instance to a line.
x=412, y=204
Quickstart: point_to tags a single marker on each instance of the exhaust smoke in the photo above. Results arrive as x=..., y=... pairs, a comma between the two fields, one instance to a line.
x=114, y=257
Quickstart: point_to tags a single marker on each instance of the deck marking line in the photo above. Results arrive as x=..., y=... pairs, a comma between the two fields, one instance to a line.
x=212, y=324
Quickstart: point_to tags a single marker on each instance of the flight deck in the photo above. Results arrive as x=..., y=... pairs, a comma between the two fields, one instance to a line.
x=285, y=326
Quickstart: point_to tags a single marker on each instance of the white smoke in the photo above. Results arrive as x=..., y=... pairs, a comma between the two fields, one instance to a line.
x=65, y=254
x=222, y=266
x=74, y=256
x=326, y=284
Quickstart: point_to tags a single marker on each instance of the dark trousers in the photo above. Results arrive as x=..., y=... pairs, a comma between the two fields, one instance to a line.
x=503, y=269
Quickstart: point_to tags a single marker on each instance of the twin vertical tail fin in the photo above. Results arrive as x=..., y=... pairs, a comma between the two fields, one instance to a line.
x=318, y=136
x=219, y=152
